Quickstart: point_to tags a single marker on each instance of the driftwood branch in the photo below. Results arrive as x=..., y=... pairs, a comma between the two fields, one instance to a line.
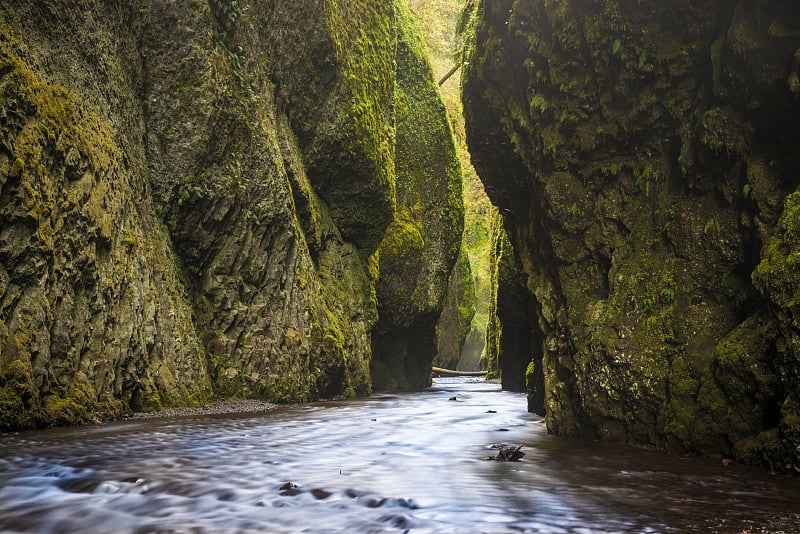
x=447, y=372
x=449, y=73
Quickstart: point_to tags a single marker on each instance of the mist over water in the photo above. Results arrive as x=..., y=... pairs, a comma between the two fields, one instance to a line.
x=413, y=462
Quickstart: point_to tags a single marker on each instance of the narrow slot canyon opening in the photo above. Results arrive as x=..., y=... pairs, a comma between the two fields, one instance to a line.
x=493, y=328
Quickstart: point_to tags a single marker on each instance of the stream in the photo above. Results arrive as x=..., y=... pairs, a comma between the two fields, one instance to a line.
x=412, y=462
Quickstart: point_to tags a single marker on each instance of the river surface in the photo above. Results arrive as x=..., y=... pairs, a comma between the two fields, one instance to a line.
x=394, y=463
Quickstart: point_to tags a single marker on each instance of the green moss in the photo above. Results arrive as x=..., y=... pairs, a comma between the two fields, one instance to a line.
x=400, y=255
x=530, y=369
x=725, y=131
x=794, y=83
x=744, y=37
x=341, y=84
x=422, y=244
x=17, y=168
x=778, y=274
x=404, y=235
x=18, y=395
x=790, y=412
x=756, y=449
x=70, y=409
x=130, y=241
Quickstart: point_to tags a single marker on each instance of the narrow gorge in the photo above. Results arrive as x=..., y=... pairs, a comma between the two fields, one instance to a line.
x=259, y=199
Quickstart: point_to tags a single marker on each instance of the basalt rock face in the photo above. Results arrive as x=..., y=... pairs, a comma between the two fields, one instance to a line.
x=456, y=319
x=421, y=246
x=190, y=193
x=281, y=298
x=644, y=157
x=94, y=318
x=513, y=343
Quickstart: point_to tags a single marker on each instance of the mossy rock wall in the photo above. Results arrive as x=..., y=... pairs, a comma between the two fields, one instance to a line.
x=190, y=194
x=94, y=319
x=333, y=68
x=283, y=300
x=513, y=343
x=642, y=154
x=456, y=319
x=417, y=254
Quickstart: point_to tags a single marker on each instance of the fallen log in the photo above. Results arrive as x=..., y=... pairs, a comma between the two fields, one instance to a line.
x=438, y=371
x=449, y=73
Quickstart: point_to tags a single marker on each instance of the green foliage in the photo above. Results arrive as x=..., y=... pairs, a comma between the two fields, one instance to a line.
x=227, y=12
x=575, y=211
x=538, y=102
x=668, y=294
x=712, y=225
x=648, y=303
x=645, y=177
x=612, y=169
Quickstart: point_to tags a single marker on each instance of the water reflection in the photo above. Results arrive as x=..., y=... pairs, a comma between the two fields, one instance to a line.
x=389, y=463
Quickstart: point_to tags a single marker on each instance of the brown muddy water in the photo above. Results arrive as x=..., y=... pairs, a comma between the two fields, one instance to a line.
x=412, y=462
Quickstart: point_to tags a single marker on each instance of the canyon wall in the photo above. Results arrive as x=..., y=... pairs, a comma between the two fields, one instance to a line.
x=201, y=200
x=643, y=156
x=417, y=254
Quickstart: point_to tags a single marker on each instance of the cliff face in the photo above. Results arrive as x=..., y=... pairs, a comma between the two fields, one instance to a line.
x=190, y=194
x=513, y=342
x=422, y=244
x=644, y=158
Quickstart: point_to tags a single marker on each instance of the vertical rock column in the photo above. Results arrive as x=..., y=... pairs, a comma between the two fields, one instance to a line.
x=421, y=245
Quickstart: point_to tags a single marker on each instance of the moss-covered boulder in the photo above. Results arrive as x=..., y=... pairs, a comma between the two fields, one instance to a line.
x=641, y=153
x=418, y=252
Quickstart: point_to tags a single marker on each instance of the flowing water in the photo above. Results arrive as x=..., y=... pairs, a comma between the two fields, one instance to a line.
x=412, y=462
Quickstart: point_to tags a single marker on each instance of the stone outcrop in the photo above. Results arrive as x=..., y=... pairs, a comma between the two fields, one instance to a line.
x=422, y=244
x=643, y=155
x=190, y=195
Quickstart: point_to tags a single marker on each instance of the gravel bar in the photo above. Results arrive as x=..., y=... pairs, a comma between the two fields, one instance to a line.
x=216, y=407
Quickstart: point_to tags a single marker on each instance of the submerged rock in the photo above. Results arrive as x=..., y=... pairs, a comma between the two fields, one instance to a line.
x=507, y=453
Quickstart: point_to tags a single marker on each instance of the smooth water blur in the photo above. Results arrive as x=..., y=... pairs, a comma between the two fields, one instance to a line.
x=412, y=462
